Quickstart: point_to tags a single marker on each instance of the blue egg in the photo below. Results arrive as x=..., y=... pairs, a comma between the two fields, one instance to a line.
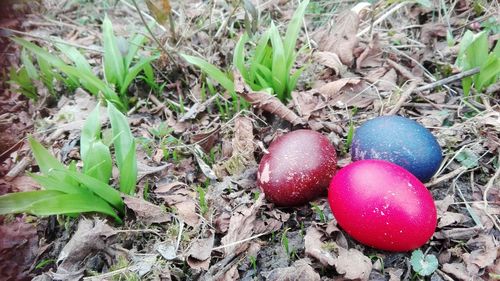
x=401, y=141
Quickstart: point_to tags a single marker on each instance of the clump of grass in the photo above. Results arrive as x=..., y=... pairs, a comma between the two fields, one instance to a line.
x=68, y=191
x=120, y=68
x=268, y=67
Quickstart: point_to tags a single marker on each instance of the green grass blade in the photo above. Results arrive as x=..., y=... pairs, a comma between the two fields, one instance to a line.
x=102, y=190
x=91, y=131
x=293, y=30
x=211, y=71
x=19, y=202
x=128, y=172
x=280, y=75
x=72, y=204
x=114, y=69
x=134, y=71
x=98, y=163
x=239, y=56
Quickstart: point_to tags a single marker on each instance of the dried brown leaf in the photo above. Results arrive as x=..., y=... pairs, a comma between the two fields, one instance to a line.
x=90, y=237
x=457, y=270
x=241, y=226
x=306, y=103
x=432, y=30
x=449, y=218
x=145, y=211
x=330, y=60
x=18, y=250
x=160, y=10
x=179, y=196
x=371, y=56
x=353, y=264
x=243, y=146
x=200, y=252
x=265, y=101
x=339, y=37
x=299, y=271
x=348, y=92
x=314, y=247
x=485, y=253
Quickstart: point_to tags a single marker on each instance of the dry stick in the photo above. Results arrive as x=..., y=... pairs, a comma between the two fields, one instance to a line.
x=413, y=89
x=449, y=79
x=489, y=185
x=446, y=177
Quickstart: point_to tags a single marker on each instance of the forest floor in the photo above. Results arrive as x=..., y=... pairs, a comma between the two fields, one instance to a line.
x=197, y=213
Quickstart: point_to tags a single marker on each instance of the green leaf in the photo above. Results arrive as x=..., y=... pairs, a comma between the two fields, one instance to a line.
x=293, y=30
x=19, y=202
x=28, y=64
x=91, y=131
x=211, y=71
x=103, y=190
x=423, y=265
x=134, y=46
x=43, y=158
x=74, y=55
x=134, y=71
x=467, y=158
x=489, y=73
x=128, y=172
x=465, y=42
x=477, y=52
x=239, y=56
x=124, y=150
x=53, y=182
x=122, y=136
x=98, y=163
x=72, y=204
x=114, y=69
x=280, y=75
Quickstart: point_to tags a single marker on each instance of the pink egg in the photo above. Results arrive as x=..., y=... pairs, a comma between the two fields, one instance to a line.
x=382, y=205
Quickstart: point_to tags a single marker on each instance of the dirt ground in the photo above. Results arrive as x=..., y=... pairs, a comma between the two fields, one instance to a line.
x=198, y=213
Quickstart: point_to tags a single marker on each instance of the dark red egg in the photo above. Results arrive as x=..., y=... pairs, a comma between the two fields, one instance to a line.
x=297, y=169
x=382, y=205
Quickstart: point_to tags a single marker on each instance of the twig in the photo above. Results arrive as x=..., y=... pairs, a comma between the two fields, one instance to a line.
x=240, y=241
x=446, y=177
x=447, y=80
x=489, y=185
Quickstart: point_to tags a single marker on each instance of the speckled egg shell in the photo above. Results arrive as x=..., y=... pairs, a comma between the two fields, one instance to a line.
x=382, y=205
x=297, y=169
x=398, y=140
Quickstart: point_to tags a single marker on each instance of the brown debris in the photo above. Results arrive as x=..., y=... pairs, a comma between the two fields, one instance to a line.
x=178, y=196
x=300, y=270
x=145, y=211
x=339, y=37
x=265, y=101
